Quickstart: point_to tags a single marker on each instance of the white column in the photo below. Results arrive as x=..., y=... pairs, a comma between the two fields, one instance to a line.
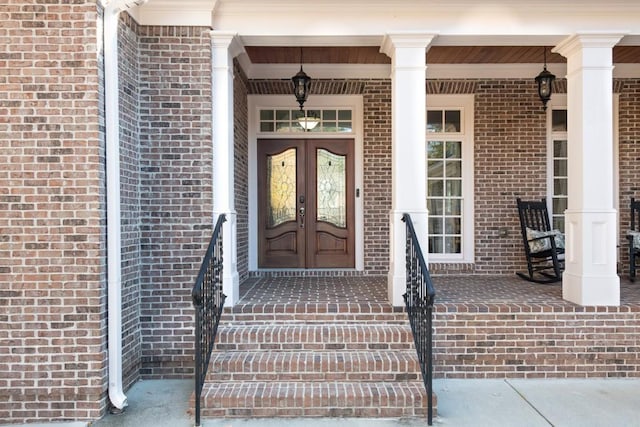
x=408, y=158
x=225, y=47
x=590, y=276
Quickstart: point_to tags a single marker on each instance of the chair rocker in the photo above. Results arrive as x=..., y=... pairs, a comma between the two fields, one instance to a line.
x=543, y=246
x=633, y=236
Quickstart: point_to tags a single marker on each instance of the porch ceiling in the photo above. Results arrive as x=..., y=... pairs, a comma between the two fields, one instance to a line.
x=435, y=55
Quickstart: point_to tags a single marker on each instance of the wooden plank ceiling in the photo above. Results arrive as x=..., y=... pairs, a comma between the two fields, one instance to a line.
x=436, y=55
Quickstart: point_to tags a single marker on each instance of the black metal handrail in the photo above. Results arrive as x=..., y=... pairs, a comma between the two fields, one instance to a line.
x=419, y=300
x=208, y=301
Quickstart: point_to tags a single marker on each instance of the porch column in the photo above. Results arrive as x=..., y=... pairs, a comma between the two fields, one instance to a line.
x=408, y=165
x=590, y=276
x=224, y=47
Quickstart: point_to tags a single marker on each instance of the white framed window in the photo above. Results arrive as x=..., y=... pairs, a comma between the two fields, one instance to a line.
x=449, y=157
x=559, y=188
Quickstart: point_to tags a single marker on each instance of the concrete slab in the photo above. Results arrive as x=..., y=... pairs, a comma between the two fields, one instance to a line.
x=157, y=403
x=483, y=403
x=584, y=403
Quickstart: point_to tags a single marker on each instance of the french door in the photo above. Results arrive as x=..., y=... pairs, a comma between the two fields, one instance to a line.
x=306, y=203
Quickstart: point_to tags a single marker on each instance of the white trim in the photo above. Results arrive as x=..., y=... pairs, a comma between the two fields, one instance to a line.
x=258, y=102
x=466, y=104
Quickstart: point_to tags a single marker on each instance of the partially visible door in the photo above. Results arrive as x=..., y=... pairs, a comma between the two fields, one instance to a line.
x=306, y=203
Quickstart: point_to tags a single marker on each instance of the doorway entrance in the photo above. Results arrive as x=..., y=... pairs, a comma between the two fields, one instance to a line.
x=306, y=202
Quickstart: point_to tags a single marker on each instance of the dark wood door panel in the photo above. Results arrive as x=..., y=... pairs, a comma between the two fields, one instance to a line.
x=313, y=227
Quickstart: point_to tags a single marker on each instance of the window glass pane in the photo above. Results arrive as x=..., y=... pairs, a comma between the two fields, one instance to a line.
x=559, y=120
x=329, y=115
x=453, y=188
x=560, y=148
x=282, y=115
x=560, y=167
x=452, y=226
x=560, y=186
x=454, y=168
x=282, y=126
x=435, y=188
x=435, y=149
x=331, y=188
x=435, y=245
x=434, y=121
x=344, y=115
x=558, y=223
x=266, y=127
x=452, y=245
x=559, y=206
x=266, y=114
x=435, y=226
x=453, y=207
x=454, y=150
x=435, y=206
x=344, y=126
x=436, y=169
x=452, y=121
x=281, y=188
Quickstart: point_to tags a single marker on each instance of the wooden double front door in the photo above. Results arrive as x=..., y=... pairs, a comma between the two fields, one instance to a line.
x=306, y=203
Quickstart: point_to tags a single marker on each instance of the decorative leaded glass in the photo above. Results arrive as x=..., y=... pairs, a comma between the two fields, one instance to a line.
x=331, y=188
x=281, y=188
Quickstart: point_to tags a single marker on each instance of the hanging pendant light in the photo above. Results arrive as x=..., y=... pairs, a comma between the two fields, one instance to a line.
x=301, y=84
x=545, y=81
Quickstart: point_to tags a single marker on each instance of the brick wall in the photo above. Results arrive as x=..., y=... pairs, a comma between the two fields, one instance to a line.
x=535, y=341
x=52, y=222
x=241, y=165
x=629, y=158
x=130, y=197
x=175, y=190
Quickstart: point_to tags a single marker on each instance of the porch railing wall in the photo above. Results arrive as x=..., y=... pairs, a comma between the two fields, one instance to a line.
x=208, y=300
x=419, y=300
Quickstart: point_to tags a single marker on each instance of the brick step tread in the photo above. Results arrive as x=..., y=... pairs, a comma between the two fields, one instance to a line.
x=314, y=337
x=315, y=366
x=314, y=313
x=294, y=399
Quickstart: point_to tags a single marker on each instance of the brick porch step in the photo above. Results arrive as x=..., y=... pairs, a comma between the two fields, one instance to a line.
x=356, y=336
x=373, y=366
x=314, y=360
x=315, y=399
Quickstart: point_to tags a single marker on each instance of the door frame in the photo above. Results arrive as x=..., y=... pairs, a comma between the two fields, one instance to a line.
x=257, y=102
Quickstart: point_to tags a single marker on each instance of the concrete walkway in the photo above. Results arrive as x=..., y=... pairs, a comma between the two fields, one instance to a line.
x=518, y=403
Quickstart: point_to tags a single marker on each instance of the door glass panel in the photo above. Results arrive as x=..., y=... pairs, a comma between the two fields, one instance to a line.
x=281, y=188
x=331, y=184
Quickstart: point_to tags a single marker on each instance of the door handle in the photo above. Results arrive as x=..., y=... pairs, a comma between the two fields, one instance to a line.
x=301, y=217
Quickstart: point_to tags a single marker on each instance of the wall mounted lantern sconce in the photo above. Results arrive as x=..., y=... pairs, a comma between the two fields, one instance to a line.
x=545, y=82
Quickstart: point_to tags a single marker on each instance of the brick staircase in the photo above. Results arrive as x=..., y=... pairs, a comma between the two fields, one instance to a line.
x=314, y=360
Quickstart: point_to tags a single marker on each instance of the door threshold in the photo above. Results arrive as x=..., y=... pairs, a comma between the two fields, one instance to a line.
x=306, y=272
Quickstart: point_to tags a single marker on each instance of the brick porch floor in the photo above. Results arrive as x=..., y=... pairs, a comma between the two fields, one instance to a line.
x=449, y=290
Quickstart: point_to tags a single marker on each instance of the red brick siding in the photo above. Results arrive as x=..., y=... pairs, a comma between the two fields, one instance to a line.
x=241, y=165
x=535, y=341
x=130, y=197
x=629, y=158
x=176, y=189
x=52, y=204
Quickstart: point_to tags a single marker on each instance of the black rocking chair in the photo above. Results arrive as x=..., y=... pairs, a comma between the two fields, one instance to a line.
x=544, y=247
x=633, y=236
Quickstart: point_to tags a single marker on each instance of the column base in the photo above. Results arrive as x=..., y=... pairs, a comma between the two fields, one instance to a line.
x=591, y=290
x=231, y=288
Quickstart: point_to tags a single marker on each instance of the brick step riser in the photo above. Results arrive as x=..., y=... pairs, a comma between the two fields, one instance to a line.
x=322, y=337
x=309, y=367
x=302, y=318
x=315, y=400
